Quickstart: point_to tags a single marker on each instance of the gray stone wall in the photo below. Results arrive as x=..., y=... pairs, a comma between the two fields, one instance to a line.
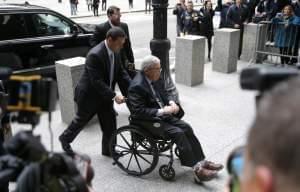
x=225, y=50
x=254, y=39
x=68, y=72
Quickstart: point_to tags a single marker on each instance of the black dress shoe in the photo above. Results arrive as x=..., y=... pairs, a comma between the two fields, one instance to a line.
x=66, y=146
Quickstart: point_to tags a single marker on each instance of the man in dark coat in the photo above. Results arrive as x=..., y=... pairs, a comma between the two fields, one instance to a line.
x=237, y=15
x=223, y=13
x=96, y=7
x=251, y=4
x=191, y=20
x=147, y=98
x=114, y=16
x=207, y=27
x=94, y=93
x=178, y=11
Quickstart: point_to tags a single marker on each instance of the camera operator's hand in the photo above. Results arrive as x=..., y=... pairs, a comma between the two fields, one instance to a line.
x=119, y=99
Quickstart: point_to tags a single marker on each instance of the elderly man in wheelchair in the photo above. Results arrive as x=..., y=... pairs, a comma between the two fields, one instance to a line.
x=155, y=125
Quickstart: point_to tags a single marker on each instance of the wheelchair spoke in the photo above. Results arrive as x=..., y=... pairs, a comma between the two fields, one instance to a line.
x=129, y=161
x=116, y=145
x=138, y=163
x=123, y=153
x=144, y=158
x=124, y=139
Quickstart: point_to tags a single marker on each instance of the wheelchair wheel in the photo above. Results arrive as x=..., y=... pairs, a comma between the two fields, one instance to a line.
x=167, y=172
x=130, y=155
x=177, y=153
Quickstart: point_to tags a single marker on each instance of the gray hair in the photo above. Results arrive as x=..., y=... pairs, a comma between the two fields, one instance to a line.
x=149, y=61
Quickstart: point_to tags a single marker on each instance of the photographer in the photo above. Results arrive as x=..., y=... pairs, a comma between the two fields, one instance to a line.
x=272, y=155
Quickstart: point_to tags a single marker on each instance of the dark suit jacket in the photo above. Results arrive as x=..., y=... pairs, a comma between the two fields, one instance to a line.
x=95, y=79
x=141, y=100
x=100, y=35
x=237, y=15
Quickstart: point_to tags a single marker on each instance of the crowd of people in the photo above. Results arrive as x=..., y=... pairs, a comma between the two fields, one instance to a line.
x=234, y=14
x=93, y=5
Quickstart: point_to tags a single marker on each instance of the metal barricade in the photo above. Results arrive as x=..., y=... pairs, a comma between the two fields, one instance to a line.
x=277, y=43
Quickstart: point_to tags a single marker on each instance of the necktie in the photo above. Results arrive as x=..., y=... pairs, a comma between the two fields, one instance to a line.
x=112, y=67
x=156, y=95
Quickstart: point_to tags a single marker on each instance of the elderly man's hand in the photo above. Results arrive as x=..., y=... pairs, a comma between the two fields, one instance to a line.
x=120, y=99
x=168, y=110
x=174, y=106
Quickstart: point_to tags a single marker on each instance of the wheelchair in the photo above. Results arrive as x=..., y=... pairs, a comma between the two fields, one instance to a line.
x=136, y=148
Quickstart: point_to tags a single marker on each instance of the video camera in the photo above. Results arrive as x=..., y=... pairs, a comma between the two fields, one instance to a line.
x=262, y=80
x=35, y=170
x=27, y=162
x=27, y=96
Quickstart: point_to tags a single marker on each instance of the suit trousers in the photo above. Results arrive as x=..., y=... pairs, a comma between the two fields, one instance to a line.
x=87, y=108
x=182, y=134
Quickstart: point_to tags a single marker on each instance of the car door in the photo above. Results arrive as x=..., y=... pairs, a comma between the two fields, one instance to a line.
x=56, y=38
x=14, y=49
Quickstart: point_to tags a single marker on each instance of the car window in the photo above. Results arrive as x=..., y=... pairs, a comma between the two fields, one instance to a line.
x=12, y=26
x=47, y=24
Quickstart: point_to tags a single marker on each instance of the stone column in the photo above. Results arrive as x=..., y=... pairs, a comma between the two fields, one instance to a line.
x=68, y=72
x=225, y=50
x=254, y=39
x=190, y=56
x=160, y=44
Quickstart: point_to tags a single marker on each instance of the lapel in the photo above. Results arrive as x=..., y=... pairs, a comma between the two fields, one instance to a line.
x=116, y=56
x=107, y=26
x=147, y=85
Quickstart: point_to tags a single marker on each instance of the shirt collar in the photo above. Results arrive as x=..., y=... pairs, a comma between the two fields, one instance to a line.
x=108, y=49
x=112, y=25
x=148, y=80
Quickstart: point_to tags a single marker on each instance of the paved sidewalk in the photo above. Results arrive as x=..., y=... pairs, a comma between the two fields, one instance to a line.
x=218, y=110
x=64, y=6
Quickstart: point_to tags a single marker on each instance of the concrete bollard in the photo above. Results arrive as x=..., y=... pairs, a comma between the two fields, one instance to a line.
x=189, y=64
x=68, y=72
x=254, y=35
x=225, y=50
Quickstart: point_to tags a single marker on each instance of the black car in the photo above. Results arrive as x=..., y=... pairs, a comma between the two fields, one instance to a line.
x=32, y=38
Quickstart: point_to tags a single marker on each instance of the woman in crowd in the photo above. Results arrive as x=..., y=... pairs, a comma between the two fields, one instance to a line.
x=207, y=27
x=286, y=31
